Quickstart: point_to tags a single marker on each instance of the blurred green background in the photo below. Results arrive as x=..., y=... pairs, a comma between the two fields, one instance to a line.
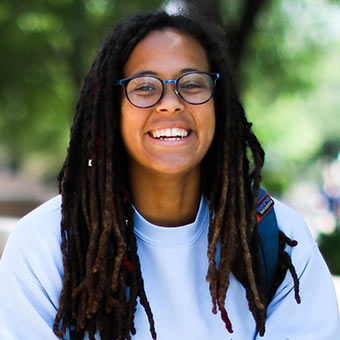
x=286, y=62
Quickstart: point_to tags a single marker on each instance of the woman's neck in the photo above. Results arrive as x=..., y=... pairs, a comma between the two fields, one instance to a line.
x=166, y=200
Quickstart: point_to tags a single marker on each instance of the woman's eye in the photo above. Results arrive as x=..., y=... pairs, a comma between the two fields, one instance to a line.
x=144, y=88
x=191, y=86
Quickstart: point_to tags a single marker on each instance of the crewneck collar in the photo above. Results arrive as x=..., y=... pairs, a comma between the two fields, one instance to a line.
x=172, y=236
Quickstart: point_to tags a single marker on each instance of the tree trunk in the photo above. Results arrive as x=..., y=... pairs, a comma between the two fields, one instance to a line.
x=236, y=39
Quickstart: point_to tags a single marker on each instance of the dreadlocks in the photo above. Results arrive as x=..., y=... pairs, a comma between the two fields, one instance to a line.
x=102, y=274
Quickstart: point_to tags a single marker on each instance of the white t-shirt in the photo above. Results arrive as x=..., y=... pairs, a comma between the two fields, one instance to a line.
x=174, y=266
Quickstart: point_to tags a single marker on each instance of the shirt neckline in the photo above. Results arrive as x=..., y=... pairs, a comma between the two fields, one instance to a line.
x=172, y=236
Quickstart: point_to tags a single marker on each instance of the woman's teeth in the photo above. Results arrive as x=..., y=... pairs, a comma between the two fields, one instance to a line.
x=173, y=134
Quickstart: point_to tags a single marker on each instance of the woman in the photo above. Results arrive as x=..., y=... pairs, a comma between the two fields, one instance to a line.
x=158, y=210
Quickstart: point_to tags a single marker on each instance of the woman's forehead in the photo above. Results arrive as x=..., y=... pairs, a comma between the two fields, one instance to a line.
x=166, y=50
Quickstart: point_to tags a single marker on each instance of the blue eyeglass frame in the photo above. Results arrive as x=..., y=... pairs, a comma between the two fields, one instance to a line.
x=125, y=81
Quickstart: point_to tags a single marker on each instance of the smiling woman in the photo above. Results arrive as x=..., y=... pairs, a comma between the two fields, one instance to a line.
x=155, y=153
x=157, y=217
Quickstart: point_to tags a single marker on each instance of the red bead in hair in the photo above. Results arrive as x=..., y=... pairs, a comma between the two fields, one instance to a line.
x=127, y=264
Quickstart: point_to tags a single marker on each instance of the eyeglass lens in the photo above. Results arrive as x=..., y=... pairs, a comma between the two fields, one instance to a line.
x=146, y=91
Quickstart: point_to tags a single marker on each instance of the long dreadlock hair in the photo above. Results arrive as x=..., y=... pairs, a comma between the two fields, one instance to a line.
x=102, y=274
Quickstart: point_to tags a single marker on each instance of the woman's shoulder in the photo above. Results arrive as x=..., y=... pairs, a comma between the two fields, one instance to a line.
x=316, y=315
x=36, y=236
x=42, y=222
x=293, y=226
x=45, y=210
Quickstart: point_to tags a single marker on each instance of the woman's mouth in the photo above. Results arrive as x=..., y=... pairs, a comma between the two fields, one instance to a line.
x=170, y=134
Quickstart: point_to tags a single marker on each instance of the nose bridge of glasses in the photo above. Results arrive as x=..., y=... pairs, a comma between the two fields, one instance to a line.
x=170, y=81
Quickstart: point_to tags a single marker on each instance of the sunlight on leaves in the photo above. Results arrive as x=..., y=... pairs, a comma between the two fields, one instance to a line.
x=97, y=8
x=38, y=22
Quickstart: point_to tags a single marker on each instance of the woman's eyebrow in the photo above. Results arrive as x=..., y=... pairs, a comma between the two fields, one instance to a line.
x=144, y=73
x=189, y=69
x=153, y=73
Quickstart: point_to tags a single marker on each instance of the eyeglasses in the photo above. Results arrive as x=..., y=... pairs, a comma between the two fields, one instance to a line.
x=195, y=87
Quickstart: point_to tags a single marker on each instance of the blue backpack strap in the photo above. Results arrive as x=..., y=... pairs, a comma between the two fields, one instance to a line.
x=269, y=239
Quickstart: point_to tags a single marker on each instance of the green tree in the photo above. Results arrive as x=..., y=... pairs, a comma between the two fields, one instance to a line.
x=284, y=51
x=47, y=47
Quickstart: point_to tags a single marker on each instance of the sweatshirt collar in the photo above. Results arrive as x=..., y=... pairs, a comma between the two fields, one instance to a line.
x=172, y=236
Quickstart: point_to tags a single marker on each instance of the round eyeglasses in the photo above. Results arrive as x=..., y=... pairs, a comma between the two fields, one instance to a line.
x=195, y=87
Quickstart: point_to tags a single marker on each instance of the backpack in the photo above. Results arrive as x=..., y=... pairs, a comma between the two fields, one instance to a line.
x=268, y=232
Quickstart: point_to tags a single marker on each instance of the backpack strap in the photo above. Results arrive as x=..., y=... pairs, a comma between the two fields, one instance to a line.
x=268, y=232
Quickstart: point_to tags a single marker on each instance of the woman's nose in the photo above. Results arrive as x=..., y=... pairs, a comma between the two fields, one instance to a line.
x=170, y=102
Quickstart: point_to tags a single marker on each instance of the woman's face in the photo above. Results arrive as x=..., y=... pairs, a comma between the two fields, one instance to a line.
x=167, y=54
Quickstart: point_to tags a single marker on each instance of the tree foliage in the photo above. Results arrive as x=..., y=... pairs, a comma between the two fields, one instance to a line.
x=284, y=56
x=47, y=48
